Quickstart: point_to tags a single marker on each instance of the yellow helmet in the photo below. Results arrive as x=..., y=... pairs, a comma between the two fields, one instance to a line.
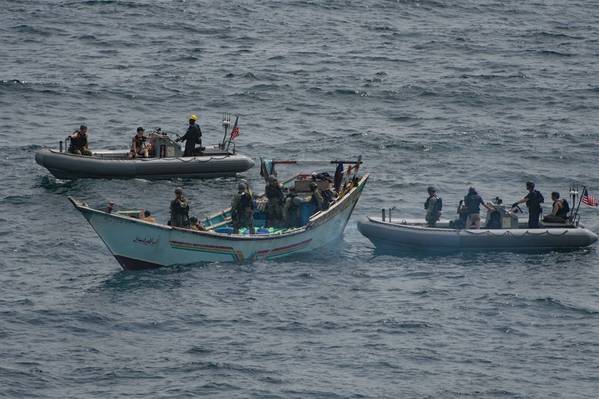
x=194, y=117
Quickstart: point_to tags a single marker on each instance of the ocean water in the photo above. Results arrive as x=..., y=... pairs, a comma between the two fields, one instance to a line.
x=445, y=93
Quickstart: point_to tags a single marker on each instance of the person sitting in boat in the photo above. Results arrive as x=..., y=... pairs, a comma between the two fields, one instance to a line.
x=433, y=206
x=559, y=212
x=316, y=199
x=192, y=137
x=274, y=206
x=291, y=209
x=472, y=203
x=78, y=142
x=138, y=145
x=179, y=210
x=195, y=224
x=147, y=217
x=242, y=209
x=533, y=201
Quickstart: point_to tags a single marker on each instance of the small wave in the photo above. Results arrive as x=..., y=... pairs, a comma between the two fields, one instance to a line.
x=553, y=302
x=249, y=76
x=554, y=53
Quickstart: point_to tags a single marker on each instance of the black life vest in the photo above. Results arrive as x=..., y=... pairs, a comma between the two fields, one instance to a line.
x=534, y=201
x=563, y=211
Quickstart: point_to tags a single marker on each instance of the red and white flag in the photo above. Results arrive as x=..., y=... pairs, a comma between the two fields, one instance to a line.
x=235, y=131
x=588, y=199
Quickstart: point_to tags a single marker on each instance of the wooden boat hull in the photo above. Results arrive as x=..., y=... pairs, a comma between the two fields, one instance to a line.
x=397, y=235
x=140, y=245
x=64, y=165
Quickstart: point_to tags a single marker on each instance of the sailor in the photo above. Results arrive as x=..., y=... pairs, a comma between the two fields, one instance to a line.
x=316, y=199
x=79, y=143
x=433, y=206
x=559, y=212
x=533, y=201
x=242, y=209
x=274, y=206
x=179, y=210
x=291, y=209
x=472, y=203
x=138, y=145
x=192, y=137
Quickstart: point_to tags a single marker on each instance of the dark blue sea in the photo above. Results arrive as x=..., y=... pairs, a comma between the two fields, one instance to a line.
x=434, y=92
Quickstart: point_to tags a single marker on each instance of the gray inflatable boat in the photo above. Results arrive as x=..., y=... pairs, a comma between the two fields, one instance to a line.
x=168, y=163
x=413, y=234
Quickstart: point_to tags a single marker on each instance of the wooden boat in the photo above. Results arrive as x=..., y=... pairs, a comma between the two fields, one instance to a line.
x=137, y=244
x=212, y=162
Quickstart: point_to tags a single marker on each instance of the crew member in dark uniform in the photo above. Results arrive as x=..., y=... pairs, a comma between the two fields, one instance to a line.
x=533, y=201
x=316, y=199
x=79, y=143
x=274, y=206
x=179, y=210
x=433, y=206
x=192, y=137
x=242, y=209
x=291, y=209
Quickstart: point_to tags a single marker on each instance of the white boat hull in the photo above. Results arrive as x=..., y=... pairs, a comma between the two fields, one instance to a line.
x=415, y=236
x=140, y=245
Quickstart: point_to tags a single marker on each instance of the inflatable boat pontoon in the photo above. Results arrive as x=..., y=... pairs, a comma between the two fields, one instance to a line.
x=167, y=163
x=413, y=234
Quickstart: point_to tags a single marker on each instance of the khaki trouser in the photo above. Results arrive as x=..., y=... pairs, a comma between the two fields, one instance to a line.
x=473, y=221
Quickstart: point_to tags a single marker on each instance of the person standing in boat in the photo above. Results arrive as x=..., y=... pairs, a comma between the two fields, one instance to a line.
x=472, y=203
x=242, y=209
x=533, y=201
x=138, y=145
x=316, y=199
x=192, y=137
x=78, y=142
x=433, y=206
x=274, y=206
x=179, y=210
x=291, y=209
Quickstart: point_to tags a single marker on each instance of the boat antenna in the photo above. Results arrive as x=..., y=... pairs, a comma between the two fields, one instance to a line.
x=573, y=194
x=574, y=214
x=226, y=124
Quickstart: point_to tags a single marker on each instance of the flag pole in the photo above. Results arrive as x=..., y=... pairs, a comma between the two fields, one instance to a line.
x=575, y=214
x=226, y=124
x=234, y=126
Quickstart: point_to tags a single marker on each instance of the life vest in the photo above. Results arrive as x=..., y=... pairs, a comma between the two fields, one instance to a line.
x=535, y=199
x=472, y=203
x=563, y=211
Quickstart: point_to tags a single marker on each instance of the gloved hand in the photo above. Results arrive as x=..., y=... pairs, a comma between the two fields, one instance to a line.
x=514, y=205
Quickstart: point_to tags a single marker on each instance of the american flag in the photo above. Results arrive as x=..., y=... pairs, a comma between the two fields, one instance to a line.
x=235, y=131
x=588, y=199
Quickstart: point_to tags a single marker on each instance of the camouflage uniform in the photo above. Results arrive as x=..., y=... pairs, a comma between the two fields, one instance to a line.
x=242, y=211
x=179, y=212
x=274, y=206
